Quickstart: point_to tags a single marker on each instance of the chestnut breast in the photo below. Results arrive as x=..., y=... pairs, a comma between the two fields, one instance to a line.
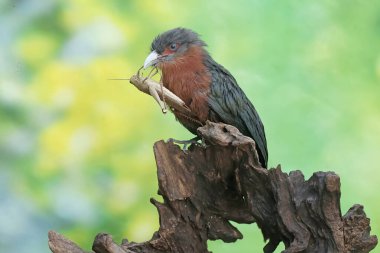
x=188, y=78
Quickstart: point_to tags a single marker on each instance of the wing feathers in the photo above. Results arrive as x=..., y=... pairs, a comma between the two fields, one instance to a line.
x=228, y=101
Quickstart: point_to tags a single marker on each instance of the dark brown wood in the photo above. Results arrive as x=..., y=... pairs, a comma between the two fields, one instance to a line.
x=59, y=244
x=205, y=188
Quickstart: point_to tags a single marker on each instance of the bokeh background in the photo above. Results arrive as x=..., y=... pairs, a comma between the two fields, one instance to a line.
x=76, y=148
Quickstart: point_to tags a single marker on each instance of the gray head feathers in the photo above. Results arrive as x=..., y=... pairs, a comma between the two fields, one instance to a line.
x=181, y=36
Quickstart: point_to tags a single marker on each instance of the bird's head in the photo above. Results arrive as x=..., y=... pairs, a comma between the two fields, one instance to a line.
x=172, y=45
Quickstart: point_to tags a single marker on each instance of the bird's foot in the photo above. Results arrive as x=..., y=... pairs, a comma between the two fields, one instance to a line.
x=188, y=143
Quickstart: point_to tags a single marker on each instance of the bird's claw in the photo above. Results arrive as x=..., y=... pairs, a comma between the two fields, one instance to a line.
x=187, y=143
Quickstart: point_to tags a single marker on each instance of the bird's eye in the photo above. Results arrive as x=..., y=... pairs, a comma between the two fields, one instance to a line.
x=173, y=46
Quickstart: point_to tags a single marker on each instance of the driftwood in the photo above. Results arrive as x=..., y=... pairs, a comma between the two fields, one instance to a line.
x=205, y=188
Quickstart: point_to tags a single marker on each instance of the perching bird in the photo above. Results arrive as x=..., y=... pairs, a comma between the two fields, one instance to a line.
x=207, y=88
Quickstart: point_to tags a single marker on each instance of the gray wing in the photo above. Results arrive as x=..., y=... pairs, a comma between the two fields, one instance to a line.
x=228, y=101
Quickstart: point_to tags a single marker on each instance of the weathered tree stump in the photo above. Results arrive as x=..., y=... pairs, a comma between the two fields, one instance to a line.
x=206, y=188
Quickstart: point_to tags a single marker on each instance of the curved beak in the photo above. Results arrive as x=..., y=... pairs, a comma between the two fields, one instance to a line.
x=151, y=60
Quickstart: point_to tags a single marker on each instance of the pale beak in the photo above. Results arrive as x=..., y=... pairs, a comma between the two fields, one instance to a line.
x=151, y=60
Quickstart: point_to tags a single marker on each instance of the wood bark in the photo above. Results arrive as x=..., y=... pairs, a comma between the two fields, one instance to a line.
x=205, y=188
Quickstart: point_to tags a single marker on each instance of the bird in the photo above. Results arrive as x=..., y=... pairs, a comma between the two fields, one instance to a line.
x=206, y=87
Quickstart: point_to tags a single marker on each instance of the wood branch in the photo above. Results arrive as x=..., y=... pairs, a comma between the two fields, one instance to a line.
x=59, y=244
x=205, y=189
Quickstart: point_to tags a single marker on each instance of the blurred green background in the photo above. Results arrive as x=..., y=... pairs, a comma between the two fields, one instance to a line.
x=76, y=149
